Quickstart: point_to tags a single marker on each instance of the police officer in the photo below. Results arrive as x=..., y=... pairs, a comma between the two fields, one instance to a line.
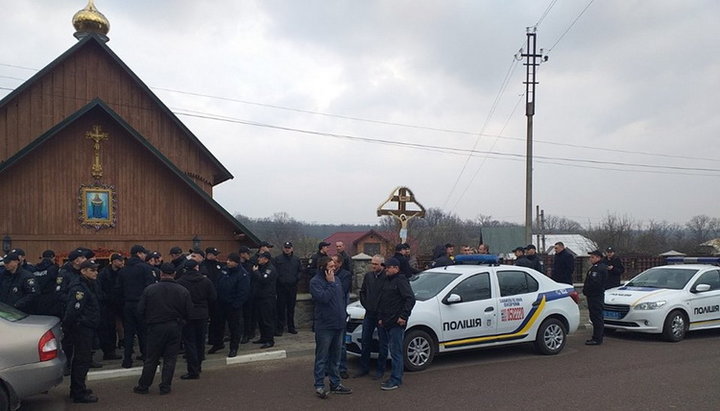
x=312, y=266
x=67, y=275
x=212, y=268
x=233, y=290
x=289, y=269
x=594, y=290
x=23, y=260
x=81, y=320
x=154, y=259
x=520, y=259
x=202, y=292
x=176, y=257
x=132, y=280
x=18, y=287
x=249, y=320
x=46, y=273
x=110, y=307
x=532, y=256
x=615, y=268
x=265, y=277
x=264, y=247
x=164, y=307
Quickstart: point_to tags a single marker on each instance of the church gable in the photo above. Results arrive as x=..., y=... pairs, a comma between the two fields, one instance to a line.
x=91, y=70
x=152, y=199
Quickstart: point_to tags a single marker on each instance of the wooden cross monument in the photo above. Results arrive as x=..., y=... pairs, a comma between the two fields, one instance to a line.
x=404, y=198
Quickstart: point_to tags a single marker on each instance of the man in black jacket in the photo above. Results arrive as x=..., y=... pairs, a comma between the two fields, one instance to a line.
x=532, y=256
x=165, y=307
x=212, y=268
x=110, y=307
x=132, y=281
x=594, y=290
x=615, y=268
x=249, y=319
x=520, y=259
x=312, y=265
x=394, y=308
x=289, y=268
x=202, y=292
x=369, y=298
x=563, y=264
x=405, y=268
x=46, y=276
x=80, y=322
x=233, y=290
x=265, y=301
x=18, y=288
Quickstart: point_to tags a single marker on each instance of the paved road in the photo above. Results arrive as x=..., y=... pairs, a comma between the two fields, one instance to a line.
x=628, y=372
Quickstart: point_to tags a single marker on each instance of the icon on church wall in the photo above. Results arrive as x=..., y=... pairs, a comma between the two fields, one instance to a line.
x=97, y=206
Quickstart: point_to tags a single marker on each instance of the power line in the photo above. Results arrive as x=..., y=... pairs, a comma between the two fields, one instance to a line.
x=571, y=25
x=547, y=11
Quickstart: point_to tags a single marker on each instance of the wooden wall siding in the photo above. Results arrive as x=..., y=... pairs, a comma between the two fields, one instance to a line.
x=40, y=204
x=87, y=74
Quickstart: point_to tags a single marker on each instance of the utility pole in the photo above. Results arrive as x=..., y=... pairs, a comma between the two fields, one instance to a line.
x=532, y=60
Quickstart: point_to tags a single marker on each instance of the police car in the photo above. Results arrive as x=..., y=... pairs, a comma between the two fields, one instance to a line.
x=461, y=307
x=670, y=299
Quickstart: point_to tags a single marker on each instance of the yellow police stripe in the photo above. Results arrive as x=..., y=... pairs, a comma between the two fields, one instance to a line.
x=645, y=297
x=704, y=322
x=524, y=330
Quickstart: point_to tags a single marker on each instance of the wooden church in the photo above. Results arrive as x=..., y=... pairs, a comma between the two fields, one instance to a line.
x=89, y=156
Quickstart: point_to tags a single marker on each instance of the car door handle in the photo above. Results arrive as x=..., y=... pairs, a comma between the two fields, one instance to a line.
x=536, y=303
x=487, y=310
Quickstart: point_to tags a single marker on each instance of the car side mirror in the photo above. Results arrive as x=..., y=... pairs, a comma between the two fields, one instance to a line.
x=701, y=288
x=452, y=299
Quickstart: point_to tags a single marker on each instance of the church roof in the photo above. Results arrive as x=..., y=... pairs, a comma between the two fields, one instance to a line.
x=95, y=39
x=98, y=104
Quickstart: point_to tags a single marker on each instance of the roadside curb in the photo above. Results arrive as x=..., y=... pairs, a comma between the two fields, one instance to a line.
x=240, y=359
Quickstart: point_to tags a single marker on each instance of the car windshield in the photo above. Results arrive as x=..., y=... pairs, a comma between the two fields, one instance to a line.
x=662, y=277
x=11, y=313
x=428, y=284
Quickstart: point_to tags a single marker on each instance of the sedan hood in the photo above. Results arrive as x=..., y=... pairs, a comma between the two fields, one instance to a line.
x=634, y=295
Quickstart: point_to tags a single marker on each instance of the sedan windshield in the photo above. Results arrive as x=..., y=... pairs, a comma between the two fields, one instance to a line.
x=662, y=277
x=427, y=285
x=11, y=313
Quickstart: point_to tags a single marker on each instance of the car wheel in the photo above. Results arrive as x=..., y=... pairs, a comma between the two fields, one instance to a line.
x=675, y=326
x=551, y=337
x=419, y=349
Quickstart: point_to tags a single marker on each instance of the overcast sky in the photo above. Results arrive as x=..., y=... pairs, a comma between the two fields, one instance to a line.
x=626, y=119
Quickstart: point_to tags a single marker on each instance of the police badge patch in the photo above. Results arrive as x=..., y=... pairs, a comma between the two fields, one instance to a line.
x=58, y=280
x=79, y=295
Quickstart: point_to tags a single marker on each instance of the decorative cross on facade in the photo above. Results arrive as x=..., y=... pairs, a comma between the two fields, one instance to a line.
x=97, y=136
x=403, y=197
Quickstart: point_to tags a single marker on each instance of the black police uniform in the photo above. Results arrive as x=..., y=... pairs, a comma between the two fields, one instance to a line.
x=202, y=292
x=289, y=268
x=132, y=281
x=164, y=307
x=265, y=278
x=80, y=322
x=46, y=273
x=19, y=289
x=249, y=319
x=594, y=290
x=614, y=275
x=233, y=290
x=213, y=270
x=110, y=309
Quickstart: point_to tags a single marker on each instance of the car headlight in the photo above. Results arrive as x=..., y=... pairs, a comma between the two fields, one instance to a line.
x=653, y=305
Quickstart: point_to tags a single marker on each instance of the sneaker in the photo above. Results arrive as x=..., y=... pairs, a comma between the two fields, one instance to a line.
x=140, y=390
x=388, y=385
x=86, y=399
x=321, y=392
x=340, y=389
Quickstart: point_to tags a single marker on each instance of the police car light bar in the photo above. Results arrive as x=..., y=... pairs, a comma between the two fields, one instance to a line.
x=478, y=258
x=693, y=260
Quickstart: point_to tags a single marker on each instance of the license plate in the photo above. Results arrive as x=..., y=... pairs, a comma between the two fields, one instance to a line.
x=612, y=315
x=348, y=338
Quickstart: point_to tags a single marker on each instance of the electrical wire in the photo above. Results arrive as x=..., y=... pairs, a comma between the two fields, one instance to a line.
x=571, y=26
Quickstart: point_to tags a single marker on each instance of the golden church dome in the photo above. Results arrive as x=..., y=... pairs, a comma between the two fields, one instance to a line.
x=90, y=20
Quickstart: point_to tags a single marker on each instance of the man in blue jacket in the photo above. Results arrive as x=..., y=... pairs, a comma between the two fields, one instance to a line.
x=329, y=298
x=233, y=290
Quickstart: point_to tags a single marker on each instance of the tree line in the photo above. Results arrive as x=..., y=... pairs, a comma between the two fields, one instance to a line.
x=628, y=236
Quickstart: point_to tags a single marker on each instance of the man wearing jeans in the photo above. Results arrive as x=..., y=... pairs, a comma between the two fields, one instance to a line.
x=396, y=303
x=329, y=298
x=369, y=298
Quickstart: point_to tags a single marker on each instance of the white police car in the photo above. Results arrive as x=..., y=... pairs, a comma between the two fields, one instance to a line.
x=461, y=307
x=670, y=299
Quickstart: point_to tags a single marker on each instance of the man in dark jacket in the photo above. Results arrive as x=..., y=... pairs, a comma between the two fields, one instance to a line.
x=164, y=307
x=520, y=259
x=132, y=281
x=46, y=276
x=563, y=264
x=369, y=298
x=110, y=307
x=202, y=292
x=615, y=268
x=289, y=269
x=18, y=288
x=394, y=308
x=405, y=268
x=594, y=290
x=329, y=325
x=176, y=257
x=212, y=268
x=312, y=265
x=249, y=319
x=265, y=299
x=535, y=261
x=67, y=275
x=233, y=290
x=442, y=256
x=80, y=322
x=346, y=260
x=346, y=279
